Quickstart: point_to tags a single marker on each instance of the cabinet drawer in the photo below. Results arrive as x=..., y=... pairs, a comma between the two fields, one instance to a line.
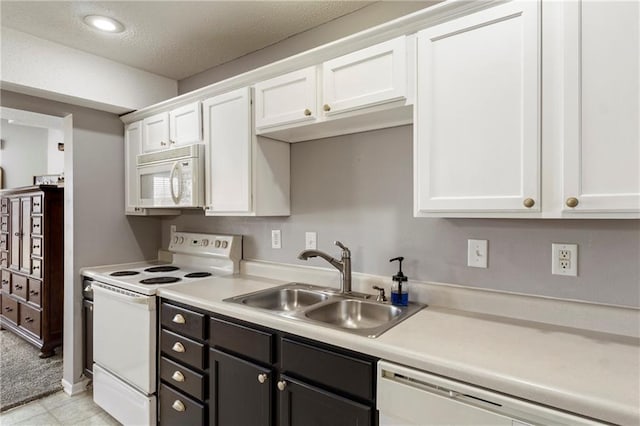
x=36, y=204
x=10, y=308
x=36, y=268
x=30, y=319
x=178, y=409
x=186, y=380
x=36, y=247
x=6, y=281
x=183, y=349
x=36, y=225
x=346, y=373
x=183, y=321
x=4, y=223
x=242, y=340
x=19, y=286
x=35, y=289
x=4, y=206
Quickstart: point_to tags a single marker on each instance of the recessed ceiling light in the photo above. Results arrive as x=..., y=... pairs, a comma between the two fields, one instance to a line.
x=104, y=23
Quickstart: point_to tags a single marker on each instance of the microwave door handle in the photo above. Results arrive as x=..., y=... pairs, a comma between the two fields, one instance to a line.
x=174, y=197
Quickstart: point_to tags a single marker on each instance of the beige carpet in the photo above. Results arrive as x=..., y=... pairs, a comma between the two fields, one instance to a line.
x=23, y=375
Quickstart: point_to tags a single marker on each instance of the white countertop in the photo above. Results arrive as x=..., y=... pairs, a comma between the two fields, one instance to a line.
x=588, y=373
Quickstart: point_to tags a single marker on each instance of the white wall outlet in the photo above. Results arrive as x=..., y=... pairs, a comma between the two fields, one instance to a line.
x=477, y=253
x=276, y=239
x=310, y=240
x=564, y=259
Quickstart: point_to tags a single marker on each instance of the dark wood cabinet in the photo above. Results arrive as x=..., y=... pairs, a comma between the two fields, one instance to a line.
x=32, y=264
x=257, y=376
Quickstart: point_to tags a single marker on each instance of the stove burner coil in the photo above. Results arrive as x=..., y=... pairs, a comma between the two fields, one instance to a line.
x=123, y=273
x=160, y=280
x=167, y=268
x=198, y=275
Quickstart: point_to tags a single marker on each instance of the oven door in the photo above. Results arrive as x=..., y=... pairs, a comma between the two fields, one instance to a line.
x=125, y=330
x=167, y=184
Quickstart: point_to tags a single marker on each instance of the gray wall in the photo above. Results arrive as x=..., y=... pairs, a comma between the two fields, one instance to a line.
x=24, y=154
x=358, y=189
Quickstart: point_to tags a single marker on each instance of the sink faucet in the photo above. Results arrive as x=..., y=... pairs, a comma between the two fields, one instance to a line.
x=343, y=265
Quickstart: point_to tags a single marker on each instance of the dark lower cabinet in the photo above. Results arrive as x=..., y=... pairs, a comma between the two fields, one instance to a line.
x=241, y=392
x=180, y=410
x=301, y=404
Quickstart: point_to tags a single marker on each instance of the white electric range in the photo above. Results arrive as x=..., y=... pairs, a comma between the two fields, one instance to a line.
x=125, y=318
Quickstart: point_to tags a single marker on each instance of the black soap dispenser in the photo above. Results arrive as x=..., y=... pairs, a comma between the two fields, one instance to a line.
x=400, y=286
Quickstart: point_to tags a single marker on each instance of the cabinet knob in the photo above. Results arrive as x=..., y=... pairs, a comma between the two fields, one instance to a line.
x=178, y=376
x=178, y=347
x=179, y=319
x=326, y=107
x=171, y=142
x=572, y=202
x=163, y=143
x=178, y=405
x=262, y=377
x=282, y=385
x=307, y=112
x=529, y=202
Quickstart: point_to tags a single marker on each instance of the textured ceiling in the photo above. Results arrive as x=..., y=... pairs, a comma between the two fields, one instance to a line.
x=175, y=39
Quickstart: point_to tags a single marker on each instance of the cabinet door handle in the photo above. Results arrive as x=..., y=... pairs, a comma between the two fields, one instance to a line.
x=178, y=347
x=326, y=107
x=262, y=377
x=282, y=385
x=307, y=112
x=529, y=202
x=178, y=376
x=178, y=405
x=178, y=319
x=572, y=202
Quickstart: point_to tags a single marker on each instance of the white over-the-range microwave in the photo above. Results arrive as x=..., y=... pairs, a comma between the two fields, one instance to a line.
x=172, y=178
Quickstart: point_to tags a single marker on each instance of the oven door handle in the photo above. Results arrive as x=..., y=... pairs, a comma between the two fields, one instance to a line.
x=172, y=175
x=138, y=300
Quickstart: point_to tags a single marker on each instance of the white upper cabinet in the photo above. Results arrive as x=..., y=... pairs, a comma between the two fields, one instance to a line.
x=181, y=126
x=477, y=139
x=245, y=176
x=602, y=113
x=286, y=99
x=132, y=146
x=371, y=76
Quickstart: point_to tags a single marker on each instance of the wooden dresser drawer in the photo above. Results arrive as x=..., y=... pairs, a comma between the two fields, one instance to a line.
x=183, y=321
x=36, y=247
x=178, y=409
x=30, y=319
x=10, y=308
x=36, y=204
x=19, y=286
x=346, y=373
x=35, y=292
x=245, y=341
x=6, y=281
x=181, y=348
x=36, y=268
x=36, y=225
x=179, y=376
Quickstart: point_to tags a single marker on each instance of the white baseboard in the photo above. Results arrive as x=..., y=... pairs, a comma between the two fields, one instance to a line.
x=621, y=320
x=77, y=388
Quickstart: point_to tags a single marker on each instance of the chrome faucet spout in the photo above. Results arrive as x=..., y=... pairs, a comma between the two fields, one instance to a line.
x=343, y=265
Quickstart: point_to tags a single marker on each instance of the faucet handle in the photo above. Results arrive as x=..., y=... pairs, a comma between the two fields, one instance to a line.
x=381, y=296
x=345, y=250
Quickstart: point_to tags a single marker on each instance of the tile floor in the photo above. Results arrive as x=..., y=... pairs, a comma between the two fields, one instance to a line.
x=59, y=409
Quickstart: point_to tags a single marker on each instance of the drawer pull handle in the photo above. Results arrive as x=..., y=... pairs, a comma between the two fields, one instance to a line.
x=262, y=377
x=36, y=247
x=18, y=286
x=5, y=282
x=36, y=267
x=179, y=319
x=178, y=376
x=33, y=292
x=282, y=385
x=178, y=347
x=36, y=225
x=178, y=405
x=28, y=319
x=8, y=309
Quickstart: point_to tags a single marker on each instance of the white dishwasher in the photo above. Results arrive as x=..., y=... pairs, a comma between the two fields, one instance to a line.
x=413, y=397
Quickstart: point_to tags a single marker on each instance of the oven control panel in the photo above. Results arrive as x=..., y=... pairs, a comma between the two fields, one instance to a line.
x=228, y=246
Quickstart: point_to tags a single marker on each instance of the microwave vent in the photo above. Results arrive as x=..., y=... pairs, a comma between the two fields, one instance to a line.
x=171, y=154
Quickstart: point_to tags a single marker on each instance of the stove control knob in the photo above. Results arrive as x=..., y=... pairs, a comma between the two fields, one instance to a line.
x=205, y=243
x=225, y=244
x=181, y=240
x=217, y=243
x=175, y=240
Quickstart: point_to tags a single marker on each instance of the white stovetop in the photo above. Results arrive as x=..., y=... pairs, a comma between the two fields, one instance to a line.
x=589, y=373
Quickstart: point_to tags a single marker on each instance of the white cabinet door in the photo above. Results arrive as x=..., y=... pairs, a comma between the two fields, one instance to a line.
x=228, y=137
x=477, y=147
x=155, y=132
x=286, y=99
x=602, y=97
x=132, y=144
x=371, y=76
x=185, y=124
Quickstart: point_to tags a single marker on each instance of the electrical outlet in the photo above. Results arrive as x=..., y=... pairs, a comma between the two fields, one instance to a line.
x=310, y=240
x=276, y=239
x=564, y=259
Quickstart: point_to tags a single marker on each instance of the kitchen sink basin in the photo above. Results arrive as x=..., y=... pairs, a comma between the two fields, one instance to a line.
x=352, y=312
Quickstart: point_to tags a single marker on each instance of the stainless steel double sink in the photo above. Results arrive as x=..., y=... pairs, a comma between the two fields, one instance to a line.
x=353, y=312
